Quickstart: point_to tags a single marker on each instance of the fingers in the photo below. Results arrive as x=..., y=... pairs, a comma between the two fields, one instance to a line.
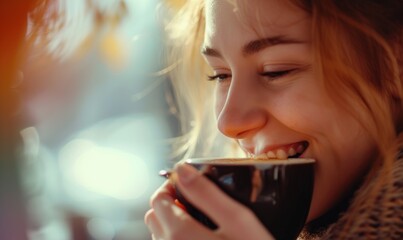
x=201, y=192
x=222, y=209
x=168, y=221
x=153, y=224
x=165, y=188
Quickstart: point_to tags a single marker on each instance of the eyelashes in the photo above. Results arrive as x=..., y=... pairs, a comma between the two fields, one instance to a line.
x=273, y=75
x=269, y=75
x=219, y=77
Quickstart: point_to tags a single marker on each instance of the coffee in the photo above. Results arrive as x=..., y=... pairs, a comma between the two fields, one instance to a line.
x=278, y=191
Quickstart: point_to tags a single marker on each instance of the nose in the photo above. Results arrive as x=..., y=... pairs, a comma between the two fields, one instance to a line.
x=241, y=111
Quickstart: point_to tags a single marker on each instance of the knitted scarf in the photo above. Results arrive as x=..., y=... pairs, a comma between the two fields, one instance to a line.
x=381, y=219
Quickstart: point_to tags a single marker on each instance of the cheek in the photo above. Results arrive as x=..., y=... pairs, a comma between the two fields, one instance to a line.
x=220, y=97
x=345, y=151
x=303, y=113
x=338, y=172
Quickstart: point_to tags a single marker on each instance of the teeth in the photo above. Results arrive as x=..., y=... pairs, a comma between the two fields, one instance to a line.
x=281, y=154
x=270, y=154
x=291, y=152
x=261, y=156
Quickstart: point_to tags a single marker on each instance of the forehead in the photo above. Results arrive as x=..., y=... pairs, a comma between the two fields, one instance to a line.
x=261, y=17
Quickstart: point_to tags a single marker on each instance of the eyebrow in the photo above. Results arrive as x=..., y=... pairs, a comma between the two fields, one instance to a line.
x=254, y=46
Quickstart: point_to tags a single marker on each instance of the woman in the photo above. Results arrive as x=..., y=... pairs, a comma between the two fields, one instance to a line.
x=323, y=76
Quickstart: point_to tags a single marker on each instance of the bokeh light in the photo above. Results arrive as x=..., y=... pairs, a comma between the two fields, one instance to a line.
x=99, y=121
x=106, y=171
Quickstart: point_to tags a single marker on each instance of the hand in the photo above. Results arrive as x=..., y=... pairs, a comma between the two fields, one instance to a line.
x=167, y=221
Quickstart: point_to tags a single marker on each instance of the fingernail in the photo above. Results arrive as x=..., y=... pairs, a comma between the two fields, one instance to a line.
x=163, y=202
x=186, y=173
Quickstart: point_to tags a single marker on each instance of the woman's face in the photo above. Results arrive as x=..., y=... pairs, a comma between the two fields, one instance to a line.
x=269, y=100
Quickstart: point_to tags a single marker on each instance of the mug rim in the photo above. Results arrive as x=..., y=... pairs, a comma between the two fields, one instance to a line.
x=245, y=161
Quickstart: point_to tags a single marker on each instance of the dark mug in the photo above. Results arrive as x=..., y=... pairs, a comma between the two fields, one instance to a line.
x=279, y=192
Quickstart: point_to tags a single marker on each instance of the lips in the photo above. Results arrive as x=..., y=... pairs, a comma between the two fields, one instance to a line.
x=293, y=150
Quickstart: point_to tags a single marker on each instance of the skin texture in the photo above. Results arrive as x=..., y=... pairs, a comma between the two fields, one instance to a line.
x=267, y=98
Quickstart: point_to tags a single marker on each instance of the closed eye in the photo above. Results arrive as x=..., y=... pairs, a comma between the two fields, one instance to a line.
x=219, y=77
x=273, y=75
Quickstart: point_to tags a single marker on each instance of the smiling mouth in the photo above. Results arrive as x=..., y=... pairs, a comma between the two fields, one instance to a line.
x=294, y=150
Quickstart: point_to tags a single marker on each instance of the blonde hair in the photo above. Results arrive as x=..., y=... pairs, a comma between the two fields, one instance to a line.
x=359, y=46
x=193, y=95
x=358, y=50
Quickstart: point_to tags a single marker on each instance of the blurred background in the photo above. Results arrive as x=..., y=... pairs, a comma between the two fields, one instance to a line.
x=94, y=121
